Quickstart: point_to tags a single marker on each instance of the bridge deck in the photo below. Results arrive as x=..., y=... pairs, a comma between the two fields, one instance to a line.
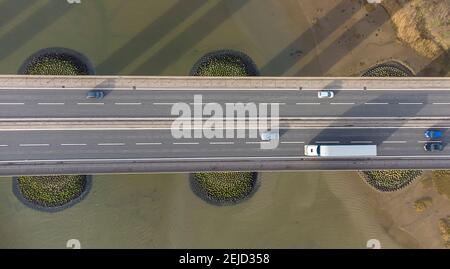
x=48, y=127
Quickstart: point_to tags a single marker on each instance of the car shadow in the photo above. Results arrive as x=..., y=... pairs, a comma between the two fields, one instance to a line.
x=105, y=86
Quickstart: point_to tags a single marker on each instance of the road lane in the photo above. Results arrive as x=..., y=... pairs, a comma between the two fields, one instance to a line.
x=129, y=144
x=158, y=103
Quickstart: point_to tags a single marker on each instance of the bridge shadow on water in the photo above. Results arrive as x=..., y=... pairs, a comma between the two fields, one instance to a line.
x=362, y=28
x=26, y=30
x=281, y=63
x=149, y=36
x=9, y=10
x=187, y=39
x=438, y=67
x=340, y=48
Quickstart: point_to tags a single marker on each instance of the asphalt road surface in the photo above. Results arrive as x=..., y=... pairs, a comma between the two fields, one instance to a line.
x=160, y=145
x=395, y=143
x=158, y=103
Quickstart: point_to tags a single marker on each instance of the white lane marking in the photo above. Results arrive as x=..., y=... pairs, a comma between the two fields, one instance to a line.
x=51, y=104
x=221, y=143
x=186, y=143
x=394, y=142
x=429, y=141
x=342, y=103
x=111, y=144
x=222, y=118
x=307, y=104
x=73, y=145
x=292, y=142
x=90, y=104
x=157, y=89
x=418, y=103
x=361, y=142
x=231, y=128
x=3, y=146
x=408, y=89
x=128, y=104
x=164, y=104
x=441, y=103
x=11, y=104
x=328, y=142
x=259, y=142
x=321, y=89
x=376, y=103
x=148, y=143
x=34, y=145
x=217, y=158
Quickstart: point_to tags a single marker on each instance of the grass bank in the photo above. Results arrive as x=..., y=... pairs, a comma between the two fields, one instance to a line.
x=390, y=180
x=224, y=188
x=51, y=193
x=224, y=63
x=57, y=62
x=388, y=69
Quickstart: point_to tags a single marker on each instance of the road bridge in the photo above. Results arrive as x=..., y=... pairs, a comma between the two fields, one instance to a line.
x=48, y=127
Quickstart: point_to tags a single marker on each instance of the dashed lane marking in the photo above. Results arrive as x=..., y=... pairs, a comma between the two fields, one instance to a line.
x=34, y=145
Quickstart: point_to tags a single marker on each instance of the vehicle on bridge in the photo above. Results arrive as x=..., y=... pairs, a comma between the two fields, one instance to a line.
x=269, y=136
x=341, y=150
x=433, y=146
x=433, y=134
x=325, y=94
x=95, y=94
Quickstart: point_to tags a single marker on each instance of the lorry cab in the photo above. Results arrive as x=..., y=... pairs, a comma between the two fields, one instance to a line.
x=312, y=150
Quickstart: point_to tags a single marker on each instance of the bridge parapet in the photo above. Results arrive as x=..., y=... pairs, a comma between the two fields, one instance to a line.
x=256, y=83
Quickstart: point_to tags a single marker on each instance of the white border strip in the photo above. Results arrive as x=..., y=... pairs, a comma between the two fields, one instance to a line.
x=231, y=158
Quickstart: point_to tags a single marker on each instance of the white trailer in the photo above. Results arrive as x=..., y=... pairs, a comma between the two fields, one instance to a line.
x=341, y=150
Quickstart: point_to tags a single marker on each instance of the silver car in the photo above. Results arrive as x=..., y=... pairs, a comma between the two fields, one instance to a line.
x=268, y=136
x=325, y=94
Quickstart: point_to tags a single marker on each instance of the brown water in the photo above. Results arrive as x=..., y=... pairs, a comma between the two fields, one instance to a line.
x=290, y=210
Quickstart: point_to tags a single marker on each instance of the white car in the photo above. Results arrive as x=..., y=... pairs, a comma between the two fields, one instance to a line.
x=325, y=94
x=268, y=136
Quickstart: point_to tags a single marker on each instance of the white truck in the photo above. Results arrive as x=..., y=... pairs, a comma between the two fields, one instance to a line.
x=341, y=150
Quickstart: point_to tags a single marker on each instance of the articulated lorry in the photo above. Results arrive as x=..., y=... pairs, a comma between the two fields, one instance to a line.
x=341, y=150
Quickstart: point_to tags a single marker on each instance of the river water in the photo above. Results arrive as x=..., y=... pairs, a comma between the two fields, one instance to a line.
x=289, y=210
x=166, y=37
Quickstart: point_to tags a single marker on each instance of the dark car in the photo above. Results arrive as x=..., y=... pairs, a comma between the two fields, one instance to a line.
x=433, y=134
x=95, y=94
x=434, y=146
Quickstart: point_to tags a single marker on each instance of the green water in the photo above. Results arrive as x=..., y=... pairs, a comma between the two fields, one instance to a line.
x=289, y=210
x=142, y=37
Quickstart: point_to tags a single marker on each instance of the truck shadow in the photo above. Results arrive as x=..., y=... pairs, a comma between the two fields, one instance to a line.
x=352, y=135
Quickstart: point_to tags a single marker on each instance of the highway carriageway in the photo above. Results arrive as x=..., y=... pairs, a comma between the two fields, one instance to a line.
x=158, y=102
x=47, y=147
